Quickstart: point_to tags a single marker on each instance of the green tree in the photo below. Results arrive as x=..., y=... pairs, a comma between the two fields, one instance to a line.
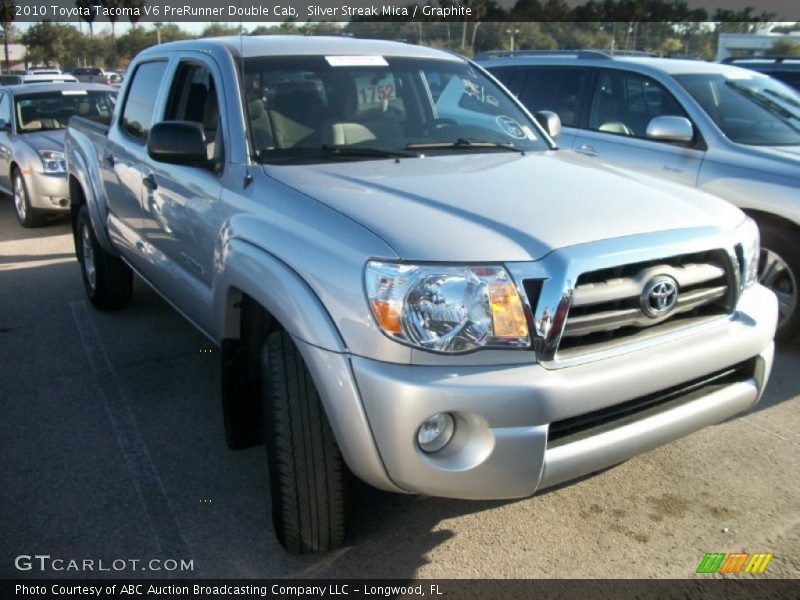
x=220, y=29
x=7, y=14
x=53, y=42
x=785, y=47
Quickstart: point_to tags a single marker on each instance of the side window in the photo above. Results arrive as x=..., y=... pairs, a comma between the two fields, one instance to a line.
x=138, y=112
x=624, y=103
x=791, y=78
x=5, y=108
x=556, y=90
x=503, y=74
x=193, y=97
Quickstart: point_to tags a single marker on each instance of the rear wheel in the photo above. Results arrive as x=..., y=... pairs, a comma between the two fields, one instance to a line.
x=779, y=270
x=107, y=280
x=26, y=214
x=307, y=474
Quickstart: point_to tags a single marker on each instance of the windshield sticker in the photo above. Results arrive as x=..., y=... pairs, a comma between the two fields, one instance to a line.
x=373, y=92
x=511, y=128
x=356, y=61
x=529, y=132
x=478, y=92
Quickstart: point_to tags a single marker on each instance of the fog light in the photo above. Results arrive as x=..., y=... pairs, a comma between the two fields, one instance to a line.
x=436, y=432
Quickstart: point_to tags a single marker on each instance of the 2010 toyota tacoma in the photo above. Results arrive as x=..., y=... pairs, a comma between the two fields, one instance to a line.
x=405, y=277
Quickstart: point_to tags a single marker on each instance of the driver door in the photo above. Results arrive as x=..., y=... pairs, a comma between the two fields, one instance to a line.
x=621, y=105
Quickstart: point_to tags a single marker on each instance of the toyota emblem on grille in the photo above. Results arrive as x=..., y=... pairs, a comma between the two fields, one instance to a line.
x=660, y=296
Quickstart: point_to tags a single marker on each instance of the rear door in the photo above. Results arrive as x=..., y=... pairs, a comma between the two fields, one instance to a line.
x=124, y=154
x=617, y=112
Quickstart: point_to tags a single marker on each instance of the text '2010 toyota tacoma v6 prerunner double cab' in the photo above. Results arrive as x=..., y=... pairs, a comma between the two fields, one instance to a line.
x=407, y=281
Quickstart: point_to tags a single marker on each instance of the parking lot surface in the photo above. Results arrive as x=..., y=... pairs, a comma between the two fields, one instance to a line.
x=111, y=447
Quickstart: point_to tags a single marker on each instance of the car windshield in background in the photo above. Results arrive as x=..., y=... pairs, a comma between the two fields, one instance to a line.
x=52, y=110
x=755, y=110
x=368, y=107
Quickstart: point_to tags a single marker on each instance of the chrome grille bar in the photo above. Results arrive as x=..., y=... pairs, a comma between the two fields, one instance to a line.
x=618, y=288
x=634, y=317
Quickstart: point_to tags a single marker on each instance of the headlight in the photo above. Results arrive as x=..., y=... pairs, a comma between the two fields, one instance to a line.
x=751, y=251
x=53, y=162
x=447, y=308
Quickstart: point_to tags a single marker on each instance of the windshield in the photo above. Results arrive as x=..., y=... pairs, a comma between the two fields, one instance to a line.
x=52, y=110
x=367, y=107
x=749, y=109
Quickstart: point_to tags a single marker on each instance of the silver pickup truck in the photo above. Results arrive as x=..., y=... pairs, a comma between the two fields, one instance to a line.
x=406, y=279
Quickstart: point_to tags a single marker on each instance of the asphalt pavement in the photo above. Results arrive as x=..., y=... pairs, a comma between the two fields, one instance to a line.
x=112, y=449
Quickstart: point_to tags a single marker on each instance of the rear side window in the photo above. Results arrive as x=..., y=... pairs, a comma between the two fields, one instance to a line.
x=556, y=90
x=791, y=78
x=139, y=109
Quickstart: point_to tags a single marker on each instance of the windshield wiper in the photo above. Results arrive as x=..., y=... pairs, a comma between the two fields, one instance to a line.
x=465, y=144
x=335, y=151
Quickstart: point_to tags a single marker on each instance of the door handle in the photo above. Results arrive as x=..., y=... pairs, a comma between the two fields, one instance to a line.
x=109, y=159
x=586, y=149
x=150, y=182
x=670, y=169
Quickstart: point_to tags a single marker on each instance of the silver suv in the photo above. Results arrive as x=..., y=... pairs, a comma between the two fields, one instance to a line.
x=726, y=130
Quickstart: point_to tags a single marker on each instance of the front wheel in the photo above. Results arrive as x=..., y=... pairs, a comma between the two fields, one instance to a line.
x=307, y=474
x=26, y=214
x=107, y=280
x=779, y=270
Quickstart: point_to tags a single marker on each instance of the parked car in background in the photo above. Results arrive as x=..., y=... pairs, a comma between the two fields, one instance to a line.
x=95, y=75
x=43, y=71
x=33, y=118
x=785, y=68
x=39, y=78
x=723, y=129
x=410, y=281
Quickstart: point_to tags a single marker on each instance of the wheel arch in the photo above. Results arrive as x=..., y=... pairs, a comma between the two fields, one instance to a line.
x=256, y=294
x=767, y=218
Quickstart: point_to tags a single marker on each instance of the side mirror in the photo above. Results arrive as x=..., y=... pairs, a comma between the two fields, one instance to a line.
x=178, y=143
x=5, y=125
x=550, y=121
x=670, y=129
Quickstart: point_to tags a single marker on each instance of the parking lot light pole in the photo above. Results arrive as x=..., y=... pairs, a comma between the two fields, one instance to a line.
x=512, y=32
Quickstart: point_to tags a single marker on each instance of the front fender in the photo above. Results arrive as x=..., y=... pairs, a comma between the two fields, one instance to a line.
x=246, y=268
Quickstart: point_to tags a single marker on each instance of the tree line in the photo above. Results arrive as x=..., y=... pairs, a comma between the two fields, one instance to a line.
x=665, y=27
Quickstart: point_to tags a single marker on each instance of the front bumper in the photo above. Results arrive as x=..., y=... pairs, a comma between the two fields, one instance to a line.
x=503, y=413
x=48, y=192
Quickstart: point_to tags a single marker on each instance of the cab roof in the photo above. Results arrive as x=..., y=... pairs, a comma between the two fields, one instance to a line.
x=298, y=45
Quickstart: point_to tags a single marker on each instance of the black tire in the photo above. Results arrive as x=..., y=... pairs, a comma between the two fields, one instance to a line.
x=308, y=477
x=26, y=214
x=784, y=278
x=107, y=280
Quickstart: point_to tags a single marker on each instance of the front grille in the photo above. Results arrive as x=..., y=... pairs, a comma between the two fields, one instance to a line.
x=594, y=423
x=608, y=308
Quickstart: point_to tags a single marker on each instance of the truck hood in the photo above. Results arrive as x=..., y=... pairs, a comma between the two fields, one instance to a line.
x=45, y=140
x=499, y=206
